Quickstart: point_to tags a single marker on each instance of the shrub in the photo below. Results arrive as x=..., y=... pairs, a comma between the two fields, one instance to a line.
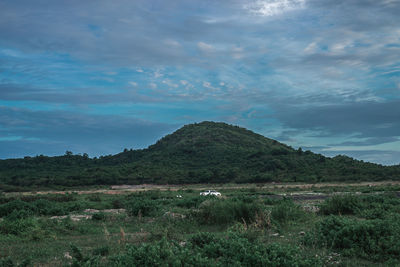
x=45, y=207
x=205, y=249
x=94, y=198
x=286, y=211
x=189, y=202
x=347, y=204
x=19, y=214
x=371, y=239
x=117, y=204
x=18, y=227
x=14, y=205
x=6, y=262
x=99, y=216
x=379, y=206
x=142, y=206
x=225, y=211
x=102, y=251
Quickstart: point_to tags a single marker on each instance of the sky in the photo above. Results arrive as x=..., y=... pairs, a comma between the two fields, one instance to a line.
x=98, y=76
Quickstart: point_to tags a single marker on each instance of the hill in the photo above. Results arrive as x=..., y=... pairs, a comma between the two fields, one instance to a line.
x=206, y=152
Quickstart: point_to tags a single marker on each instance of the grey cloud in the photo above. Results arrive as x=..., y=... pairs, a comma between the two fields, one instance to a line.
x=369, y=119
x=119, y=32
x=369, y=141
x=385, y=157
x=13, y=92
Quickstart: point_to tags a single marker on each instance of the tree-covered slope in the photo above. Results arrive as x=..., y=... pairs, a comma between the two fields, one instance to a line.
x=206, y=152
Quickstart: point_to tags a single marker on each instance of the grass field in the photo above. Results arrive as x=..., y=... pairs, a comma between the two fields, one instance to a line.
x=250, y=225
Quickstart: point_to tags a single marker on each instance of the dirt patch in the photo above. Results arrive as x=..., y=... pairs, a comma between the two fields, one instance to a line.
x=113, y=211
x=124, y=189
x=88, y=215
x=75, y=218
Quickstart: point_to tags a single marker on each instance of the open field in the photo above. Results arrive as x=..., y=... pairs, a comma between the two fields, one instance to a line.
x=327, y=224
x=122, y=189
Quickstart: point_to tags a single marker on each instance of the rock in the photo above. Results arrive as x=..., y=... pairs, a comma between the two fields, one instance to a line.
x=174, y=215
x=67, y=256
x=311, y=208
x=114, y=211
x=77, y=218
x=91, y=211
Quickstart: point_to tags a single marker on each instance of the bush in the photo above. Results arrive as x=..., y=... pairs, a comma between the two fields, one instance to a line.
x=205, y=249
x=370, y=239
x=6, y=262
x=40, y=206
x=117, y=204
x=14, y=205
x=347, y=204
x=189, y=202
x=102, y=251
x=45, y=207
x=142, y=206
x=18, y=227
x=99, y=216
x=225, y=211
x=94, y=198
x=285, y=212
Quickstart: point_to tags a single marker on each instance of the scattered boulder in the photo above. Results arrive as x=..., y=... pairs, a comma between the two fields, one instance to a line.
x=174, y=215
x=114, y=211
x=67, y=256
x=75, y=218
x=311, y=208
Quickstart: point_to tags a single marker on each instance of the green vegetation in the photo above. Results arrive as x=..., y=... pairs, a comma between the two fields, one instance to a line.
x=377, y=239
x=245, y=227
x=206, y=152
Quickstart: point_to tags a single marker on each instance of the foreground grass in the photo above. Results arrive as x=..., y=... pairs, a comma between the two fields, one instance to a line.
x=252, y=226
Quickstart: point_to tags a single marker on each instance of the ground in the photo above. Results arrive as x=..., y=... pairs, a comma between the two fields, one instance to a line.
x=102, y=226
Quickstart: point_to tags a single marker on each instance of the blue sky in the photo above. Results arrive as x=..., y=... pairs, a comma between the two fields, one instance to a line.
x=100, y=76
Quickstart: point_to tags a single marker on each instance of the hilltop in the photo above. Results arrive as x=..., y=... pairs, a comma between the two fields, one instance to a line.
x=206, y=152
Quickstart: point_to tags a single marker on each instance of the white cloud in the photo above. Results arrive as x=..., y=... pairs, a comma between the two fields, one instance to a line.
x=134, y=84
x=340, y=47
x=153, y=85
x=172, y=43
x=311, y=48
x=169, y=83
x=274, y=7
x=205, y=48
x=158, y=74
x=207, y=85
x=237, y=52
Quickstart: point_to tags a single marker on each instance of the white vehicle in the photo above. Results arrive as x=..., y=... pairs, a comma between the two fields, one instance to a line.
x=210, y=193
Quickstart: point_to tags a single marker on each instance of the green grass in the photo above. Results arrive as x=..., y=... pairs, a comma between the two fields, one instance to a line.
x=248, y=226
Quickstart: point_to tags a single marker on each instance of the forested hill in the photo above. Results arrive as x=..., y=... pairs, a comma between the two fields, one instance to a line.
x=206, y=152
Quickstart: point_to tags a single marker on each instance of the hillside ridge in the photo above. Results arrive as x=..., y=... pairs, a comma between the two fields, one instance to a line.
x=206, y=152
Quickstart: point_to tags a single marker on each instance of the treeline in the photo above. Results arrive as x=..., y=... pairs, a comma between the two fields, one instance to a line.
x=198, y=153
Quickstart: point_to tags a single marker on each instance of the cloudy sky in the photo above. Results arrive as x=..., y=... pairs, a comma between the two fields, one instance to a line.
x=97, y=76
